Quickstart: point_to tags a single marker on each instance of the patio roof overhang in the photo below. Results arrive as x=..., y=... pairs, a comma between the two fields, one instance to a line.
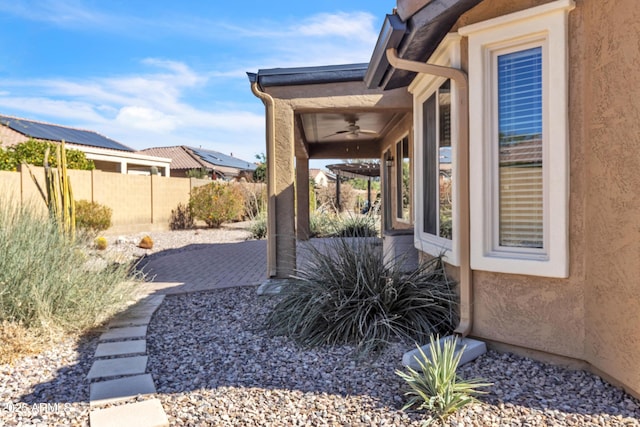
x=336, y=115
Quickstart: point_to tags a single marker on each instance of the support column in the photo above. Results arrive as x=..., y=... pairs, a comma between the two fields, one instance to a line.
x=303, y=231
x=338, y=201
x=281, y=209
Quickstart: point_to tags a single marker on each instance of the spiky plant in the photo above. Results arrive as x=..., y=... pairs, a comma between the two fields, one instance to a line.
x=58, y=194
x=345, y=294
x=438, y=388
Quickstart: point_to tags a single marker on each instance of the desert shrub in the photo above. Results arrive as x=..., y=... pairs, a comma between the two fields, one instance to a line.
x=216, y=203
x=101, y=243
x=92, y=216
x=356, y=226
x=322, y=224
x=45, y=279
x=326, y=197
x=254, y=198
x=258, y=227
x=201, y=173
x=437, y=386
x=32, y=152
x=181, y=218
x=346, y=294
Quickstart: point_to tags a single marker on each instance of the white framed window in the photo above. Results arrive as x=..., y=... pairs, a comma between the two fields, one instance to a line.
x=518, y=141
x=403, y=180
x=435, y=106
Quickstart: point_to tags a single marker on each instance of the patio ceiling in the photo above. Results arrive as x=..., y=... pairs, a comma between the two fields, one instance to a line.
x=358, y=133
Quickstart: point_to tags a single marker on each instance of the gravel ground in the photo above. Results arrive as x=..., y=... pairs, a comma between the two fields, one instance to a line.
x=49, y=389
x=213, y=365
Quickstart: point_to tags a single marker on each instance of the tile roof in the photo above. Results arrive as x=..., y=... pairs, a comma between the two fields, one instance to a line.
x=180, y=157
x=184, y=157
x=51, y=132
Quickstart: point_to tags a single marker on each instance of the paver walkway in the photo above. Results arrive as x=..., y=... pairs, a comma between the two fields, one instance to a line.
x=210, y=267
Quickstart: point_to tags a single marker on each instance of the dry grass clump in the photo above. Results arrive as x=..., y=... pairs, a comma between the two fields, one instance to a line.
x=18, y=342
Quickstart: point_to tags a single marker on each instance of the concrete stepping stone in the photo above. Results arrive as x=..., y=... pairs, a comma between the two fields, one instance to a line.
x=115, y=367
x=148, y=413
x=124, y=333
x=133, y=320
x=120, y=348
x=104, y=392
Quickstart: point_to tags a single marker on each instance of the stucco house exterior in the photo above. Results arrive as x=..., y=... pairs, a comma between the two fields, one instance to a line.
x=534, y=108
x=320, y=177
x=107, y=154
x=217, y=165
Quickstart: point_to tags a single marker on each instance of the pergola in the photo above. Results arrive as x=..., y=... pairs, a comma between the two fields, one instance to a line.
x=367, y=170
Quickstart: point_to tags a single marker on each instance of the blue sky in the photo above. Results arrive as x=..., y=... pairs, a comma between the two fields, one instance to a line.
x=159, y=73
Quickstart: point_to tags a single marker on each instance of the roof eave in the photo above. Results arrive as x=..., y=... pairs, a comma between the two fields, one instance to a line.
x=425, y=30
x=308, y=75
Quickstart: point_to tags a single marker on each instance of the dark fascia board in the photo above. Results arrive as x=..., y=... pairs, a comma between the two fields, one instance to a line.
x=309, y=75
x=425, y=30
x=391, y=35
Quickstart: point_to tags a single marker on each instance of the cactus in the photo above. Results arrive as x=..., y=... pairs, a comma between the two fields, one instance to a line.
x=59, y=195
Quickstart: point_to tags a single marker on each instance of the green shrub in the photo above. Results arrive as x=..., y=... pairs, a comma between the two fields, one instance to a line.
x=32, y=152
x=356, y=226
x=216, y=203
x=46, y=280
x=323, y=224
x=346, y=294
x=438, y=389
x=181, y=218
x=258, y=227
x=92, y=216
x=201, y=173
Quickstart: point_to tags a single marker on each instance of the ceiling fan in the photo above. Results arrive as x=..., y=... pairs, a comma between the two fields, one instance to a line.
x=352, y=130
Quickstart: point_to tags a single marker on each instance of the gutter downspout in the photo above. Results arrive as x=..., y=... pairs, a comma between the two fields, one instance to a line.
x=460, y=78
x=268, y=102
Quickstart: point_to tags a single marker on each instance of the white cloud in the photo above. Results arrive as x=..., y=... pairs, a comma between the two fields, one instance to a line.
x=146, y=119
x=357, y=25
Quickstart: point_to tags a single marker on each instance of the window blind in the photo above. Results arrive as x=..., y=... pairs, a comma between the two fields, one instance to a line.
x=520, y=178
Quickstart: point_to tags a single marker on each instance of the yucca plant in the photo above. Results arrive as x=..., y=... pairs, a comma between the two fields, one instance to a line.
x=438, y=388
x=345, y=294
x=58, y=194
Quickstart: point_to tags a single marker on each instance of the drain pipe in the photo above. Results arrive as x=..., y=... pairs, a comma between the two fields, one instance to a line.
x=460, y=78
x=268, y=102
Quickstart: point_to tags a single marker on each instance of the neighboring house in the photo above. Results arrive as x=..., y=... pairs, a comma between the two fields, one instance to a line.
x=321, y=178
x=107, y=155
x=217, y=165
x=538, y=103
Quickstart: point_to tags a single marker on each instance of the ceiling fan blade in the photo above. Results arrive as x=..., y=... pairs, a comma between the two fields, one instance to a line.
x=340, y=132
x=368, y=132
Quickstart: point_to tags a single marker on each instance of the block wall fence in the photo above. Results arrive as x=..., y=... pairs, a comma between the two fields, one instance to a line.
x=139, y=203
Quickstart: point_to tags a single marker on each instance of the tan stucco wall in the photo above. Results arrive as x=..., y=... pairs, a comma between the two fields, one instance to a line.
x=611, y=99
x=139, y=203
x=594, y=314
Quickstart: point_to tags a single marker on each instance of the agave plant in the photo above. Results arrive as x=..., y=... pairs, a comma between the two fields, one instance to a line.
x=438, y=388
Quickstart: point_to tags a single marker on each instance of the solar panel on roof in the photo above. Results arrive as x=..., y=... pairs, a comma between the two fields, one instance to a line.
x=58, y=133
x=220, y=159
